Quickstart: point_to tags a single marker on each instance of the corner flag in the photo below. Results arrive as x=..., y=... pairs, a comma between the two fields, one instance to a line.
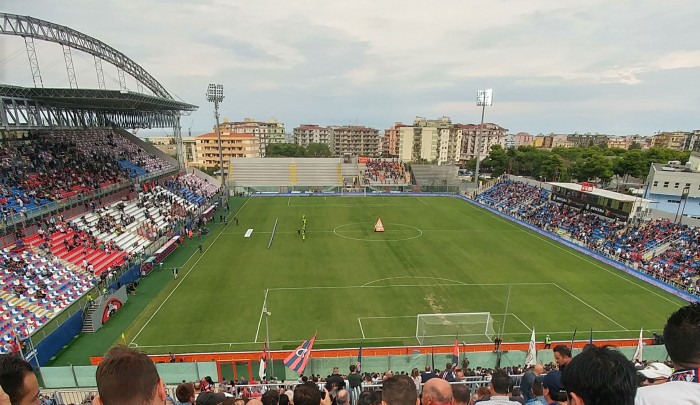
x=640, y=345
x=531, y=358
x=263, y=363
x=296, y=361
x=379, y=227
x=124, y=338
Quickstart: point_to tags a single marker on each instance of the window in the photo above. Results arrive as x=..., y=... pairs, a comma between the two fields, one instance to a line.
x=656, y=183
x=687, y=184
x=665, y=184
x=677, y=184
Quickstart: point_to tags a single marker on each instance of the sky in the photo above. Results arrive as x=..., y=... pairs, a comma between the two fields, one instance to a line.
x=616, y=67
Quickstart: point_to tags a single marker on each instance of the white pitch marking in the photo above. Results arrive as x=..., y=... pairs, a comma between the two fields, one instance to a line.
x=361, y=329
x=418, y=198
x=188, y=273
x=591, y=307
x=262, y=310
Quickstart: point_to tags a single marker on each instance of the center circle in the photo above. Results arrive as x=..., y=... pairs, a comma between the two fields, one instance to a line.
x=364, y=231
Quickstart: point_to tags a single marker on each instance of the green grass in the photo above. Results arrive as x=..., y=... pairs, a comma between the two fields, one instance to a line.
x=438, y=255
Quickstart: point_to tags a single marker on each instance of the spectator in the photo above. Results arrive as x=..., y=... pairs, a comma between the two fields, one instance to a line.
x=185, y=393
x=365, y=398
x=427, y=375
x=600, y=376
x=500, y=381
x=460, y=394
x=271, y=397
x=400, y=390
x=355, y=383
x=527, y=380
x=343, y=398
x=655, y=373
x=308, y=394
x=562, y=356
x=537, y=394
x=17, y=379
x=124, y=367
x=437, y=392
x=211, y=398
x=553, y=389
x=335, y=382
x=682, y=338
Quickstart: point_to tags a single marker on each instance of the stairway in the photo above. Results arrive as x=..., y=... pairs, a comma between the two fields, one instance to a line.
x=88, y=324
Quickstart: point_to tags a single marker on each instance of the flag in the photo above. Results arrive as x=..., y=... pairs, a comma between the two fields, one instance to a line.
x=531, y=358
x=359, y=360
x=455, y=354
x=296, y=361
x=124, y=338
x=432, y=357
x=573, y=337
x=638, y=352
x=590, y=337
x=263, y=363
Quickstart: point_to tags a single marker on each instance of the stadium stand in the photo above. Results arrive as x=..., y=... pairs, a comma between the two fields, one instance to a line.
x=384, y=171
x=284, y=172
x=60, y=259
x=667, y=251
x=433, y=175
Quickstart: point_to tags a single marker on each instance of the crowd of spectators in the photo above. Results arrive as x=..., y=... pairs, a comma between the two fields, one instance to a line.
x=191, y=188
x=384, y=171
x=46, y=167
x=665, y=250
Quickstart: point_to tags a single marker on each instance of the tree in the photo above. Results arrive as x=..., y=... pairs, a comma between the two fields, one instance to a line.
x=318, y=150
x=551, y=167
x=497, y=160
x=635, y=145
x=284, y=150
x=592, y=168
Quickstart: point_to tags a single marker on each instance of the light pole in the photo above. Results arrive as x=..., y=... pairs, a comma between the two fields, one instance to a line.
x=267, y=334
x=484, y=98
x=215, y=94
x=684, y=200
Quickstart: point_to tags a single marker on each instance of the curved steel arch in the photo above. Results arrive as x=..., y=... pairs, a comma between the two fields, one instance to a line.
x=26, y=26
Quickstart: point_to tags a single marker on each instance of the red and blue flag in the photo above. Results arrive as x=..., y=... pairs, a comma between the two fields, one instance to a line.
x=298, y=358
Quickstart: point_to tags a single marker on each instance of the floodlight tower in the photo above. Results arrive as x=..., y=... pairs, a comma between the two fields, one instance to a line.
x=484, y=98
x=215, y=94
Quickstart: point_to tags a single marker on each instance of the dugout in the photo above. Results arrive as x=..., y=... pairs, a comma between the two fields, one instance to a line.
x=610, y=204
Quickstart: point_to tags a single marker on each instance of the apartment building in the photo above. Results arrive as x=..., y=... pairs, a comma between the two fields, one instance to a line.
x=233, y=145
x=267, y=132
x=355, y=140
x=309, y=133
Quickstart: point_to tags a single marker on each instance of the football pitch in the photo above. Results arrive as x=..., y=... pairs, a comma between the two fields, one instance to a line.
x=355, y=286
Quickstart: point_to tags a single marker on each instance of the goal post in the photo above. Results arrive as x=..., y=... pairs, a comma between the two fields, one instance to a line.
x=470, y=327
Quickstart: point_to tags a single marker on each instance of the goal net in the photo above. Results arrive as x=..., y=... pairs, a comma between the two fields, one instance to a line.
x=470, y=327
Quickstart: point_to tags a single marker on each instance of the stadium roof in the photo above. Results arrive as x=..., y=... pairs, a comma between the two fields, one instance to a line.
x=94, y=99
x=601, y=192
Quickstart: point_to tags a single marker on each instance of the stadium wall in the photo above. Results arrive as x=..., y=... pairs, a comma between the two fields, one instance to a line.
x=629, y=270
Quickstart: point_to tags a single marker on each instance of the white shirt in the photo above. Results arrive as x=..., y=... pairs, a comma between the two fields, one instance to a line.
x=674, y=392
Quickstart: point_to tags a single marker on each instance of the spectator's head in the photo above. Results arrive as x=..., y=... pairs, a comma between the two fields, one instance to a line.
x=271, y=397
x=500, y=381
x=343, y=397
x=400, y=390
x=536, y=388
x=538, y=369
x=600, y=376
x=336, y=370
x=353, y=368
x=682, y=336
x=553, y=389
x=562, y=355
x=18, y=380
x=483, y=392
x=427, y=368
x=185, y=393
x=655, y=373
x=211, y=398
x=376, y=397
x=415, y=372
x=460, y=394
x=127, y=376
x=307, y=394
x=365, y=398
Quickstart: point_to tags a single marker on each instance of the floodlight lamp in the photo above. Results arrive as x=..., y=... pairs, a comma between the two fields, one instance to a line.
x=484, y=98
x=215, y=93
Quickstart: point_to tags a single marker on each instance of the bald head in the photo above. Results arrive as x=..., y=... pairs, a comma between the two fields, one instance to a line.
x=539, y=369
x=437, y=391
x=254, y=401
